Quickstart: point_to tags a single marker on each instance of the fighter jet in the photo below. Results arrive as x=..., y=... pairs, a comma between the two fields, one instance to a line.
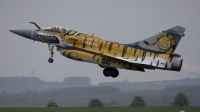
x=156, y=52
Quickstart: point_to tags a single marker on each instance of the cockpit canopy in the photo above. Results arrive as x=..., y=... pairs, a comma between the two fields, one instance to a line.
x=58, y=29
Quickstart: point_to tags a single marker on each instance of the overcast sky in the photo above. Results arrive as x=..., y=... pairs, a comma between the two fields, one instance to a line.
x=124, y=21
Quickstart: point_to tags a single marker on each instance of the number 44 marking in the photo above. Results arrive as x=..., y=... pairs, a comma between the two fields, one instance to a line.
x=105, y=61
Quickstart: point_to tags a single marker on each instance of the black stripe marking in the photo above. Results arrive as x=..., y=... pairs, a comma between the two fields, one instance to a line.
x=92, y=42
x=143, y=55
x=69, y=55
x=136, y=58
x=84, y=42
x=157, y=63
x=166, y=65
x=146, y=42
x=63, y=53
x=110, y=46
x=100, y=46
x=106, y=43
x=169, y=56
x=124, y=51
x=98, y=60
x=135, y=51
x=154, y=56
x=74, y=43
x=174, y=47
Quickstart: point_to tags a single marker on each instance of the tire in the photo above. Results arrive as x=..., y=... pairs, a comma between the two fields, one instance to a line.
x=50, y=60
x=107, y=72
x=115, y=73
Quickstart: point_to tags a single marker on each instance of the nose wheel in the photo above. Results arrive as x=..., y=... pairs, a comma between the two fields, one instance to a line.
x=50, y=60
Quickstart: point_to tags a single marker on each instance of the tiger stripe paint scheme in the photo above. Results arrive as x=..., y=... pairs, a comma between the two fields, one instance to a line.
x=156, y=52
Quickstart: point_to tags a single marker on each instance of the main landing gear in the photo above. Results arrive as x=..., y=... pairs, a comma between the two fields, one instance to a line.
x=50, y=60
x=113, y=72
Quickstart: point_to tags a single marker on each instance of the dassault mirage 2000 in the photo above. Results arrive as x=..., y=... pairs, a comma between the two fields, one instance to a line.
x=156, y=52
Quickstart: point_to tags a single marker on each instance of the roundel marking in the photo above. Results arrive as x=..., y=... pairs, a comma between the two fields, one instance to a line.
x=164, y=43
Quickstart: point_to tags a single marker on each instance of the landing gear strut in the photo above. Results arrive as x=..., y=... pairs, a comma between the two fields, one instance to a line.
x=113, y=72
x=50, y=60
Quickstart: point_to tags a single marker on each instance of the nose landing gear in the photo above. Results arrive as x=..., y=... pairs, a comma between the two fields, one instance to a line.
x=113, y=72
x=50, y=60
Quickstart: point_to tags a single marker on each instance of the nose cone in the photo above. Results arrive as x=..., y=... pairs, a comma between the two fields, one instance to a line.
x=23, y=33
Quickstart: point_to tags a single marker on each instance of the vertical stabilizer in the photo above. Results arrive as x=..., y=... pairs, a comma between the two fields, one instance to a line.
x=165, y=42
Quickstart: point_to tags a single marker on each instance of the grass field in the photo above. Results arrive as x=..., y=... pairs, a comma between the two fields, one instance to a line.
x=104, y=109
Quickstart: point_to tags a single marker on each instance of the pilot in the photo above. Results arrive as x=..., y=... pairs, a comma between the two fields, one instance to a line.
x=63, y=30
x=57, y=29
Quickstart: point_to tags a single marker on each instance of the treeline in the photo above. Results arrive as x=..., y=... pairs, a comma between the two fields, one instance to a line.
x=23, y=84
x=152, y=85
x=80, y=96
x=85, y=81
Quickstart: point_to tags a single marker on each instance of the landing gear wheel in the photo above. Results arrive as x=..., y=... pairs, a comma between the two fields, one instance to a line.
x=107, y=72
x=115, y=73
x=51, y=52
x=50, y=60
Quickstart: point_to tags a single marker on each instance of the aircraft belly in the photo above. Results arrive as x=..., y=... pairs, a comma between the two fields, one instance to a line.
x=99, y=59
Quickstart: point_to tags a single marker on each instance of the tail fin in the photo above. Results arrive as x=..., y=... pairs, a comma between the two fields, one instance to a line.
x=165, y=42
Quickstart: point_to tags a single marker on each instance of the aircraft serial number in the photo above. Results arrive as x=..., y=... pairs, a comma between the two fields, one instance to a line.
x=90, y=43
x=105, y=61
